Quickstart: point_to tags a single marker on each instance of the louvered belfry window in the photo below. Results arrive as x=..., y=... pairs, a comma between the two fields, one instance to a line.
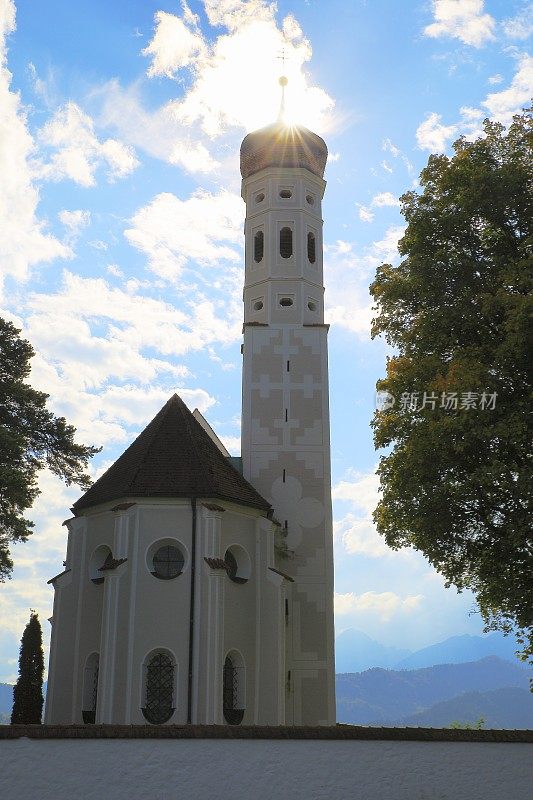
x=311, y=247
x=159, y=689
x=285, y=242
x=259, y=246
x=230, y=693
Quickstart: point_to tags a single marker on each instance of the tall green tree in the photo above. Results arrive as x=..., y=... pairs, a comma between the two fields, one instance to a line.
x=31, y=438
x=28, y=690
x=457, y=482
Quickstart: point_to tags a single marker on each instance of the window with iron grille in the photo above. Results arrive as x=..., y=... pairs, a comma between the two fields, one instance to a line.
x=159, y=693
x=285, y=242
x=259, y=246
x=90, y=689
x=168, y=562
x=230, y=693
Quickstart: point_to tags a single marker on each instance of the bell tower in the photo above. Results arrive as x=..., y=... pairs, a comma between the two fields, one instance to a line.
x=285, y=417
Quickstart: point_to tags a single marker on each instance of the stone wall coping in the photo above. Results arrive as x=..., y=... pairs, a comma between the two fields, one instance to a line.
x=337, y=732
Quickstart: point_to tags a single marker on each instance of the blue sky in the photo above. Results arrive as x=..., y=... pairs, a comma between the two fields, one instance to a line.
x=121, y=253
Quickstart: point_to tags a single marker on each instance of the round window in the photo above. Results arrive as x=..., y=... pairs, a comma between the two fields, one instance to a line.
x=310, y=199
x=238, y=564
x=311, y=305
x=285, y=194
x=259, y=197
x=168, y=562
x=286, y=301
x=258, y=305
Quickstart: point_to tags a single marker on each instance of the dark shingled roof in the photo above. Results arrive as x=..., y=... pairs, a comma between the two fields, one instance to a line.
x=172, y=457
x=281, y=145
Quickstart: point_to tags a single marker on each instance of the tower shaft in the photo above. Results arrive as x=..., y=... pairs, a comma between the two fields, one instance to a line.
x=285, y=434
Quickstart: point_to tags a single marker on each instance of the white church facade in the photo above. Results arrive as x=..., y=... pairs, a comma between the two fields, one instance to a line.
x=198, y=588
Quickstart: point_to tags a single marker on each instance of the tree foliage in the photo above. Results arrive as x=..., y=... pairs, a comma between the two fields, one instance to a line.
x=31, y=438
x=28, y=690
x=457, y=483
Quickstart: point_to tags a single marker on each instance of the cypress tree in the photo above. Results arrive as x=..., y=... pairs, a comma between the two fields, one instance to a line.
x=28, y=691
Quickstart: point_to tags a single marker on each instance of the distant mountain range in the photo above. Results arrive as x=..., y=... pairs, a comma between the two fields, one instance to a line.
x=436, y=696
x=508, y=707
x=355, y=652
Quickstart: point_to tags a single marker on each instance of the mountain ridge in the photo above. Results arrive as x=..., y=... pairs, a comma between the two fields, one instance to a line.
x=377, y=695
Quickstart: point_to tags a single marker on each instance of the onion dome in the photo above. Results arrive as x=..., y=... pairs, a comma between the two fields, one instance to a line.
x=281, y=145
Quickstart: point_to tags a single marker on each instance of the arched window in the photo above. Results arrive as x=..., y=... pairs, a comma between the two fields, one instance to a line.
x=159, y=691
x=259, y=246
x=233, y=690
x=311, y=247
x=285, y=242
x=90, y=689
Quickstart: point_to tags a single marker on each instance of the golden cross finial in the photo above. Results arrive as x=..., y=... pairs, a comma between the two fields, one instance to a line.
x=283, y=81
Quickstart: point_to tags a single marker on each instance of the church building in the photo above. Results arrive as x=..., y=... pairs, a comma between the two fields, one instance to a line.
x=198, y=587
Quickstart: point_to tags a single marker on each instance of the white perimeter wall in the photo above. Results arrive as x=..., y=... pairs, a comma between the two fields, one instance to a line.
x=216, y=769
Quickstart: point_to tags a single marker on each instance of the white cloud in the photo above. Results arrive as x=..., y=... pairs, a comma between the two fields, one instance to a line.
x=205, y=228
x=75, y=221
x=495, y=79
x=157, y=132
x=387, y=248
x=176, y=44
x=391, y=148
x=77, y=152
x=395, y=151
x=520, y=26
x=365, y=214
x=378, y=201
x=356, y=531
x=383, y=605
x=387, y=167
x=462, y=19
x=502, y=105
x=385, y=199
x=24, y=241
x=362, y=492
x=348, y=303
x=211, y=102
x=433, y=135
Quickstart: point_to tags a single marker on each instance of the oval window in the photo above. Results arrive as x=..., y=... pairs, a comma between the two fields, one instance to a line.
x=258, y=305
x=286, y=302
x=260, y=197
x=168, y=562
x=310, y=199
x=285, y=242
x=311, y=305
x=285, y=194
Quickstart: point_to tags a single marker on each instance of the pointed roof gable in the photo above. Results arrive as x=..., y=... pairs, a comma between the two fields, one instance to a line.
x=172, y=457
